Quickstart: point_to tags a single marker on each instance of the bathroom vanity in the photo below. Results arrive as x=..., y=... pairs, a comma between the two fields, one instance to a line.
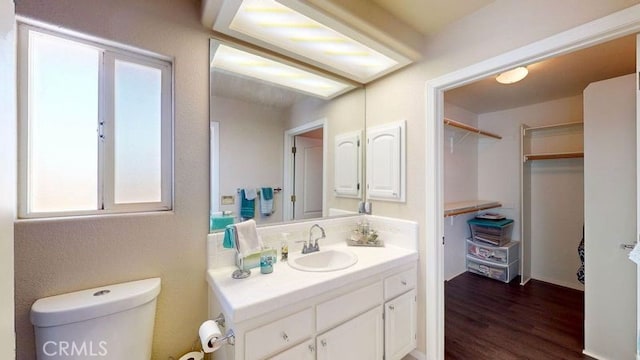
x=365, y=311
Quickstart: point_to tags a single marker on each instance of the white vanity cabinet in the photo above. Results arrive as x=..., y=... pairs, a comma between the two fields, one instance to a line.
x=400, y=325
x=359, y=338
x=303, y=351
x=367, y=317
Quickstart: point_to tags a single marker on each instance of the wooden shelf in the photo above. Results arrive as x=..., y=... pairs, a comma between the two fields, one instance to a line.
x=470, y=128
x=464, y=207
x=552, y=156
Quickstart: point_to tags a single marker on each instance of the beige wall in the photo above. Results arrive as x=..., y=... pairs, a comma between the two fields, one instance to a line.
x=59, y=256
x=7, y=175
x=251, y=148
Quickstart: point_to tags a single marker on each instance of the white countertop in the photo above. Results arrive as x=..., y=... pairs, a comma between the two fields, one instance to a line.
x=242, y=299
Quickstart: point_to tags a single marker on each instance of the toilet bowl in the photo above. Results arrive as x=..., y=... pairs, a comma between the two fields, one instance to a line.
x=109, y=322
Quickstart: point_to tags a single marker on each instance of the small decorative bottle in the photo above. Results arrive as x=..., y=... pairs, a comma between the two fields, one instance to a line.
x=284, y=247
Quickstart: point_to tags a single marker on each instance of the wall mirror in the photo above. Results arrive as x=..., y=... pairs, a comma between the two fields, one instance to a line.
x=254, y=126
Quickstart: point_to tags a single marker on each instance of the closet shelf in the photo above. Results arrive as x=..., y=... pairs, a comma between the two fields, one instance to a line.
x=552, y=156
x=470, y=128
x=553, y=126
x=463, y=207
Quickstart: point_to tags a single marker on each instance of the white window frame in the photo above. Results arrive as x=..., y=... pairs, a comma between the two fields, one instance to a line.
x=109, y=53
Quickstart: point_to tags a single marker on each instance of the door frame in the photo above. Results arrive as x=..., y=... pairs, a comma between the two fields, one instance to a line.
x=607, y=28
x=287, y=189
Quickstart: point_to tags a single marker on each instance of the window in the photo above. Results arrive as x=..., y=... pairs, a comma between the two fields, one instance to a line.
x=95, y=127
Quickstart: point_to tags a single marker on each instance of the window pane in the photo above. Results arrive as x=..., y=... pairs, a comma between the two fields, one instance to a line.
x=137, y=133
x=63, y=119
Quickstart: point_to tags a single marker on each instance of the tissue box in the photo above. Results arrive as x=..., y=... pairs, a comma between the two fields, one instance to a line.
x=220, y=222
x=253, y=260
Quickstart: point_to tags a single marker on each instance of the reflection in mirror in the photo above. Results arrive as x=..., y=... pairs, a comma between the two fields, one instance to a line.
x=254, y=126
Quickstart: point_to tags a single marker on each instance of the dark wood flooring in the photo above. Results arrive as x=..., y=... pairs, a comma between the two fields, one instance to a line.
x=488, y=319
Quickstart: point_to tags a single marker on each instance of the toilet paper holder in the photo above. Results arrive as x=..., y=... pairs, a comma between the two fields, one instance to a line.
x=229, y=336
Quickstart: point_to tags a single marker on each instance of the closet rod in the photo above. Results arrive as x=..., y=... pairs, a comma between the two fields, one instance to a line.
x=552, y=156
x=470, y=128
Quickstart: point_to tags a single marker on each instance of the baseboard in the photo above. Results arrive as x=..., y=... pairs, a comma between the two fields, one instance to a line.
x=598, y=357
x=421, y=356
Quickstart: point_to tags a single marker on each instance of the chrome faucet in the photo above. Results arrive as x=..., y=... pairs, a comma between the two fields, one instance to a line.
x=313, y=247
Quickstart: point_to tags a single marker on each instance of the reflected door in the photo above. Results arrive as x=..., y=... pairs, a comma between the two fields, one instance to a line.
x=307, y=178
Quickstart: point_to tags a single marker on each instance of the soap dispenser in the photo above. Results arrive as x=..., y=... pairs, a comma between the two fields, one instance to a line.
x=284, y=247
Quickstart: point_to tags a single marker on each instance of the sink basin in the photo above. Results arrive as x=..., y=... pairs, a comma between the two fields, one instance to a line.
x=324, y=260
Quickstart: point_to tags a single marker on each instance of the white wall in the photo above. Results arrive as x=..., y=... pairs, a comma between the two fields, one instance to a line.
x=58, y=256
x=610, y=213
x=7, y=176
x=556, y=205
x=251, y=150
x=460, y=184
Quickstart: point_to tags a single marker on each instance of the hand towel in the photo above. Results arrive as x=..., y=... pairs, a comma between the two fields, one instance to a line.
x=247, y=206
x=247, y=237
x=250, y=193
x=229, y=237
x=266, y=201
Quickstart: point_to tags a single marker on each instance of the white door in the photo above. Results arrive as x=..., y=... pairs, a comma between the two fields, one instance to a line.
x=308, y=178
x=400, y=326
x=610, y=217
x=386, y=162
x=346, y=171
x=359, y=338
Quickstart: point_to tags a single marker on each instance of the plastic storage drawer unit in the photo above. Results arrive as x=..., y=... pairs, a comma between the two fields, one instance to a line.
x=504, y=273
x=501, y=255
x=495, y=232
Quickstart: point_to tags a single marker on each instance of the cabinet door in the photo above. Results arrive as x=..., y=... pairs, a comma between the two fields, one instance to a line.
x=385, y=162
x=400, y=325
x=304, y=351
x=346, y=172
x=359, y=338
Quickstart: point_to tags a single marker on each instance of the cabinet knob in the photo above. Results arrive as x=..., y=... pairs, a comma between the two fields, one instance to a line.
x=311, y=348
x=391, y=307
x=285, y=337
x=403, y=282
x=323, y=342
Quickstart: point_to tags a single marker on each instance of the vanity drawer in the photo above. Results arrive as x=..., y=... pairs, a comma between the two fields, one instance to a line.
x=278, y=335
x=338, y=310
x=399, y=283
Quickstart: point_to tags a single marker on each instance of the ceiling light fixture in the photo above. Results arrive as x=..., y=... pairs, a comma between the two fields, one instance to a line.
x=242, y=62
x=513, y=75
x=299, y=31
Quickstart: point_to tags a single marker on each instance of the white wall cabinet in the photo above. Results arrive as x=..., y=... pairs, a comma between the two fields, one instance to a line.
x=359, y=338
x=347, y=165
x=400, y=325
x=386, y=162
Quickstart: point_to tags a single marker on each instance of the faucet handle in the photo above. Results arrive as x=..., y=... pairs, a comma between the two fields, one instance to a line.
x=304, y=247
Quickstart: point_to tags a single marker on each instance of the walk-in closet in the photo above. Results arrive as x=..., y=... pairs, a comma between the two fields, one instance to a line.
x=535, y=152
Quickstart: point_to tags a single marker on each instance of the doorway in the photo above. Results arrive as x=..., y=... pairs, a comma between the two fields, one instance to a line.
x=577, y=38
x=304, y=171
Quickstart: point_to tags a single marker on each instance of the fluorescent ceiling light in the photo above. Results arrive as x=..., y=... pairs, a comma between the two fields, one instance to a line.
x=513, y=75
x=262, y=68
x=310, y=36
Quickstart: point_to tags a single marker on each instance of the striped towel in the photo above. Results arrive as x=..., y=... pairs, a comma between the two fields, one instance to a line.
x=247, y=206
x=266, y=201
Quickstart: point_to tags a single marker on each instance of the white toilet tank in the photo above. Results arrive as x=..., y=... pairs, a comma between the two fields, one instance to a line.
x=112, y=322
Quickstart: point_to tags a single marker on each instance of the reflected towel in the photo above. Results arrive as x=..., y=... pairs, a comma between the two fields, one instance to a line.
x=247, y=206
x=229, y=237
x=247, y=237
x=266, y=201
x=250, y=193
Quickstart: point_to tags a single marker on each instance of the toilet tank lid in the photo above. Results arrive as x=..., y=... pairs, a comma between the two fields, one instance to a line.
x=93, y=303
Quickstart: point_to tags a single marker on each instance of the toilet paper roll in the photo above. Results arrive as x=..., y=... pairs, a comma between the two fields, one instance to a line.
x=194, y=355
x=210, y=332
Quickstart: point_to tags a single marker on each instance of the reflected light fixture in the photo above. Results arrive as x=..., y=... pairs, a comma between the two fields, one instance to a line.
x=304, y=33
x=245, y=63
x=513, y=75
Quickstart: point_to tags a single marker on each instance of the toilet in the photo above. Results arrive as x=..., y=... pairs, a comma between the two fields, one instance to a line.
x=109, y=322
